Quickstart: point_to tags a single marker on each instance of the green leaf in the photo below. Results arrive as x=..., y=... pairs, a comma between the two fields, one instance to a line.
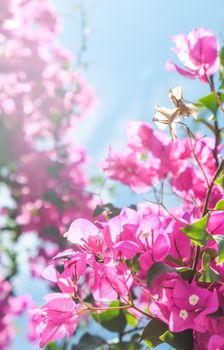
x=220, y=180
x=51, y=231
x=220, y=242
x=186, y=273
x=210, y=101
x=209, y=276
x=221, y=55
x=112, y=211
x=212, y=252
x=108, y=209
x=151, y=345
x=206, y=259
x=197, y=231
x=90, y=342
x=113, y=320
x=52, y=197
x=52, y=346
x=220, y=205
x=181, y=341
x=133, y=344
x=131, y=320
x=154, y=329
x=156, y=270
x=98, y=210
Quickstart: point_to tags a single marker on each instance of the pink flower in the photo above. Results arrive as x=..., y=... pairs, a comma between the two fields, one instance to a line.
x=120, y=233
x=184, y=306
x=111, y=281
x=180, y=244
x=198, y=52
x=84, y=233
x=155, y=243
x=73, y=269
x=216, y=342
x=131, y=170
x=55, y=319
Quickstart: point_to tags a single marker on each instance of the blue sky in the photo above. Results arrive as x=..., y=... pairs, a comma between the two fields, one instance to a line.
x=126, y=52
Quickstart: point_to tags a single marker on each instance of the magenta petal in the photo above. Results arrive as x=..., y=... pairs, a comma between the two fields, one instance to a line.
x=79, y=229
x=172, y=67
x=216, y=342
x=178, y=324
x=128, y=249
x=49, y=273
x=161, y=247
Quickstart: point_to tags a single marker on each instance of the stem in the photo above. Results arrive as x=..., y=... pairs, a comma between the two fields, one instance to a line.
x=216, y=125
x=220, y=167
x=205, y=211
x=218, y=171
x=137, y=309
x=191, y=135
x=106, y=308
x=212, y=87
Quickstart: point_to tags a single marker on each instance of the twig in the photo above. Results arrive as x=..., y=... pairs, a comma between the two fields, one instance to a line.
x=205, y=211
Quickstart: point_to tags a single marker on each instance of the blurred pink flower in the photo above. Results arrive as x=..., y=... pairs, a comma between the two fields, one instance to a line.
x=198, y=52
x=55, y=319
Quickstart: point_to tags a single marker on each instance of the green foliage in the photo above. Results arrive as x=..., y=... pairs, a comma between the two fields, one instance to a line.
x=220, y=205
x=220, y=242
x=208, y=275
x=133, y=344
x=131, y=320
x=53, y=346
x=197, y=231
x=55, y=168
x=186, y=273
x=151, y=333
x=210, y=101
x=51, y=231
x=90, y=342
x=221, y=55
x=220, y=180
x=113, y=320
x=221, y=73
x=107, y=209
x=52, y=197
x=179, y=341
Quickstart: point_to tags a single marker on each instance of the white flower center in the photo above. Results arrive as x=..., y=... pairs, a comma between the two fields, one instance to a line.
x=193, y=299
x=183, y=314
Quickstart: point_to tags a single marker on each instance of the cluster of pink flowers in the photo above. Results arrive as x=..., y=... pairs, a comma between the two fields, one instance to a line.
x=151, y=157
x=163, y=264
x=96, y=265
x=42, y=98
x=11, y=307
